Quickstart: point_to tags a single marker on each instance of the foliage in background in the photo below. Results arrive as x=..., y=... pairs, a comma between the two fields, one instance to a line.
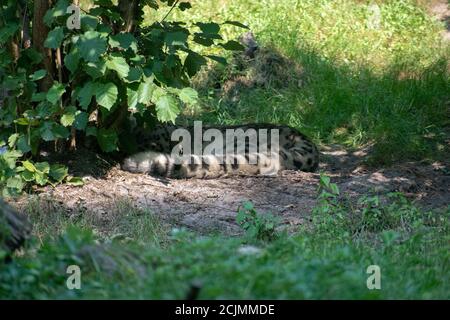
x=106, y=72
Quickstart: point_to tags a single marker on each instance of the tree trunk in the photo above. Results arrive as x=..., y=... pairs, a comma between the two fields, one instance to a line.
x=40, y=32
x=129, y=10
x=14, y=228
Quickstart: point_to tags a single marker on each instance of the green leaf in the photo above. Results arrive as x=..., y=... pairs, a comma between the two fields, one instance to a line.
x=51, y=131
x=22, y=121
x=105, y=29
x=43, y=167
x=72, y=60
x=158, y=92
x=12, y=140
x=248, y=205
x=91, y=45
x=29, y=166
x=27, y=176
x=88, y=22
x=188, y=96
x=8, y=31
x=15, y=183
x=55, y=12
x=207, y=42
x=12, y=154
x=167, y=108
x=46, y=132
x=58, y=172
x=145, y=91
x=138, y=59
x=81, y=120
x=334, y=188
x=324, y=180
x=96, y=69
x=107, y=140
x=38, y=75
x=22, y=144
x=106, y=94
x=208, y=35
x=68, y=118
x=210, y=27
x=54, y=38
x=75, y=181
x=41, y=175
x=236, y=23
x=10, y=157
x=184, y=6
x=232, y=45
x=134, y=74
x=118, y=64
x=55, y=92
x=193, y=63
x=34, y=56
x=45, y=109
x=221, y=60
x=41, y=178
x=177, y=38
x=132, y=97
x=85, y=95
x=12, y=83
x=123, y=41
x=39, y=96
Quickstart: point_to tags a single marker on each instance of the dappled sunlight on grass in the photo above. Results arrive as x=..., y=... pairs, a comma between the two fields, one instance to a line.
x=387, y=85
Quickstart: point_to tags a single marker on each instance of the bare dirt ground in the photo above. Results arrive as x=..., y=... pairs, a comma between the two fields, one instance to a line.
x=210, y=205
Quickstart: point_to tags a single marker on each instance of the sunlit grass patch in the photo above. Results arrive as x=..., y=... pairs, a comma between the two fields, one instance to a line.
x=384, y=81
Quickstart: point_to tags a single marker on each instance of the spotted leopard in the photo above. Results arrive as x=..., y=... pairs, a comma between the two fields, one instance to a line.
x=158, y=153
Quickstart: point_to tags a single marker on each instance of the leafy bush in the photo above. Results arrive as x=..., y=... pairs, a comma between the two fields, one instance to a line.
x=105, y=70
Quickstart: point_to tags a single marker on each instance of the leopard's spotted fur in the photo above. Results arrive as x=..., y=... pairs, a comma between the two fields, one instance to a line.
x=296, y=152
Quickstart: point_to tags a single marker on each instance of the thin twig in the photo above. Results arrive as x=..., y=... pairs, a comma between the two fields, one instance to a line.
x=170, y=10
x=23, y=24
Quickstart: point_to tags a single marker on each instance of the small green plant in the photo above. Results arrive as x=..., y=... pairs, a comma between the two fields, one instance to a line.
x=329, y=191
x=330, y=211
x=257, y=226
x=339, y=216
x=372, y=214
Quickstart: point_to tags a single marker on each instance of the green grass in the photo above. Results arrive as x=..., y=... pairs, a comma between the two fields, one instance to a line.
x=123, y=222
x=325, y=259
x=386, y=86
